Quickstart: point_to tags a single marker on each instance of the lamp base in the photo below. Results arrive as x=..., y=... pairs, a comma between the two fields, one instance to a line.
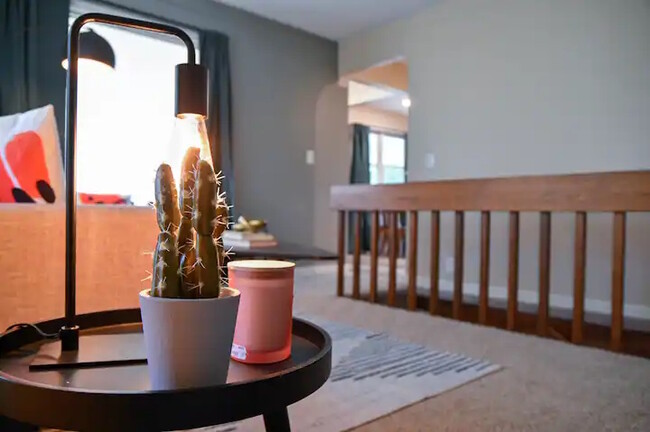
x=94, y=351
x=69, y=338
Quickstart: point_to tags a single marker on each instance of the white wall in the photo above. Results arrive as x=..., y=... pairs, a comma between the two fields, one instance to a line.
x=507, y=87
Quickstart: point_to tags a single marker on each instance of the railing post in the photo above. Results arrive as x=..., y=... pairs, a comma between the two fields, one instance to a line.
x=392, y=259
x=579, y=264
x=513, y=270
x=544, y=272
x=484, y=282
x=356, y=260
x=435, y=263
x=374, y=238
x=413, y=260
x=618, y=281
x=340, y=280
x=459, y=250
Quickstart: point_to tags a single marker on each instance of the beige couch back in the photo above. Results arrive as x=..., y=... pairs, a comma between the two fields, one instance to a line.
x=112, y=259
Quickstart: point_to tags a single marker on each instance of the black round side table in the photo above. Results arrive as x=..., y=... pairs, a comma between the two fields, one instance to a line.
x=119, y=398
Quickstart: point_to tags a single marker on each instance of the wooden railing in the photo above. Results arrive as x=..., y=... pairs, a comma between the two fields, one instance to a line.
x=616, y=192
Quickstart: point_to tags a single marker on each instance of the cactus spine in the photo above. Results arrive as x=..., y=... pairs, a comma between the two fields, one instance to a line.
x=188, y=256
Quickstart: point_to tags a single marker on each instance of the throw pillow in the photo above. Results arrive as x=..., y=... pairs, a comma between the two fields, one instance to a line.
x=30, y=158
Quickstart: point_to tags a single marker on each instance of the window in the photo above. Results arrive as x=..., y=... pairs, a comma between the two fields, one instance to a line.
x=387, y=158
x=126, y=116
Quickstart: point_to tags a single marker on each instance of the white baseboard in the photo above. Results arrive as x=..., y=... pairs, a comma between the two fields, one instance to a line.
x=636, y=316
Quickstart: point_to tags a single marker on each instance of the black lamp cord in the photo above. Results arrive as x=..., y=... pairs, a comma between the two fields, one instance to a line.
x=41, y=333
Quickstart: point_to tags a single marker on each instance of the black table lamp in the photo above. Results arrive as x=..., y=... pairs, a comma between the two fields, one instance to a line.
x=191, y=100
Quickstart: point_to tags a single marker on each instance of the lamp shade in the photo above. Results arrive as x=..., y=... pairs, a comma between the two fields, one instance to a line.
x=94, y=47
x=191, y=90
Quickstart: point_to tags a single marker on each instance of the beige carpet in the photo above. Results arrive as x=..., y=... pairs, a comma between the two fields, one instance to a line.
x=373, y=374
x=546, y=385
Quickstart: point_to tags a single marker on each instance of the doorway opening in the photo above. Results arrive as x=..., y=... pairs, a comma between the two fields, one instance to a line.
x=378, y=99
x=378, y=110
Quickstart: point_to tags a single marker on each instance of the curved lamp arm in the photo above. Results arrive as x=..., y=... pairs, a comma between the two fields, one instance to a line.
x=191, y=82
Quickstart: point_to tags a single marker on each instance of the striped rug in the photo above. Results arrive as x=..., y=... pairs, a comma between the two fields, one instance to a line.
x=373, y=374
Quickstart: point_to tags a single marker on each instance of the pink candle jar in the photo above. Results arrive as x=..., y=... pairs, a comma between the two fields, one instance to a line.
x=263, y=329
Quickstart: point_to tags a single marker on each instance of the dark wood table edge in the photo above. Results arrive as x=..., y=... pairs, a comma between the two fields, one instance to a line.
x=158, y=410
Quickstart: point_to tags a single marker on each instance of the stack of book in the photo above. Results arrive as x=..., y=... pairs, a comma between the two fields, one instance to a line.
x=247, y=240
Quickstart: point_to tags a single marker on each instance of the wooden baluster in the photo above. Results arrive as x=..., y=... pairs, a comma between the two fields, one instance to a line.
x=544, y=272
x=579, y=264
x=412, y=298
x=340, y=281
x=374, y=238
x=484, y=282
x=392, y=259
x=458, y=265
x=434, y=295
x=513, y=270
x=618, y=281
x=356, y=266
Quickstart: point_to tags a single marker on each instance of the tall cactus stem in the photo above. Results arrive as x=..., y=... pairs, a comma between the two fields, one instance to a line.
x=207, y=270
x=167, y=213
x=204, y=216
x=165, y=278
x=188, y=170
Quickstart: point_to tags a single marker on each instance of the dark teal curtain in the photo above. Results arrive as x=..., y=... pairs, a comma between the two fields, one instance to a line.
x=32, y=43
x=360, y=168
x=215, y=56
x=360, y=174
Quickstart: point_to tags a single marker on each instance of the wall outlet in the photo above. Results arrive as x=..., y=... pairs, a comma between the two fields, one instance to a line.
x=449, y=265
x=310, y=157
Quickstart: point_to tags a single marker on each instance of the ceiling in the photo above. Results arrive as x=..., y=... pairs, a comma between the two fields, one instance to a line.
x=377, y=97
x=392, y=104
x=382, y=87
x=359, y=93
x=331, y=19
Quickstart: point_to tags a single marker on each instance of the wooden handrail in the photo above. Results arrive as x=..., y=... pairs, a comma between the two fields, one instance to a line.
x=613, y=191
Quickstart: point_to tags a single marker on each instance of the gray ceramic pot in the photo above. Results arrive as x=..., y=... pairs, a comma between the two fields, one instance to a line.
x=188, y=341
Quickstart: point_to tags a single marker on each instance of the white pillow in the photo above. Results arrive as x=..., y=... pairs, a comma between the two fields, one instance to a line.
x=22, y=160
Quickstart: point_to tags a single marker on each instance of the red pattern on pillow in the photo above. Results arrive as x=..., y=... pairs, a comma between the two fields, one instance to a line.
x=25, y=158
x=5, y=185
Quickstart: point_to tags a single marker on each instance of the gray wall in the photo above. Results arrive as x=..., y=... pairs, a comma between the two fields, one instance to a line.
x=278, y=74
x=333, y=157
x=508, y=87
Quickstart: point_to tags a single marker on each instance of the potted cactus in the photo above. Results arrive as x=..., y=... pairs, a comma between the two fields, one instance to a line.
x=188, y=316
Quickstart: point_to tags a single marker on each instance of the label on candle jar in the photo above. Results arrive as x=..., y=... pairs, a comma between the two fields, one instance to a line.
x=238, y=352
